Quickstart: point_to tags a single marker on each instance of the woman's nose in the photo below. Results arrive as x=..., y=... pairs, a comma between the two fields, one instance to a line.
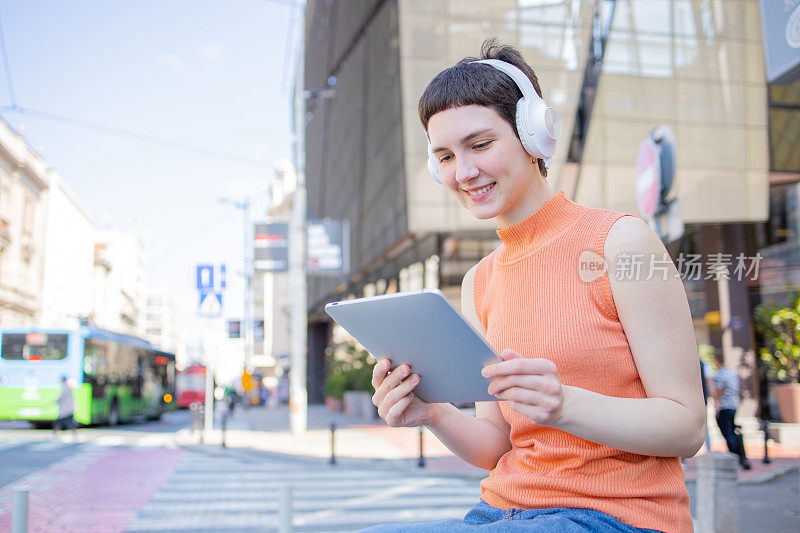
x=466, y=170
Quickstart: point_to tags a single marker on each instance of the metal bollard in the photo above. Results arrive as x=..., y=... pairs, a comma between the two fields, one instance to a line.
x=285, y=510
x=19, y=512
x=765, y=429
x=421, y=461
x=224, y=427
x=717, y=493
x=333, y=447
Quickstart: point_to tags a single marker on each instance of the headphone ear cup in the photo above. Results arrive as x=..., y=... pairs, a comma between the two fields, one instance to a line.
x=538, y=139
x=433, y=166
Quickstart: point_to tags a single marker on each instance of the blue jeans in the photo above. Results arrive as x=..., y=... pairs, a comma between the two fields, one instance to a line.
x=484, y=517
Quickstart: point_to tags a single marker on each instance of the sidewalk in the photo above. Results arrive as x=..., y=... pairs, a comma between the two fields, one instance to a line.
x=267, y=429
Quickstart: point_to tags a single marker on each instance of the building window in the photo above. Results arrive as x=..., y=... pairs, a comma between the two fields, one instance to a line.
x=784, y=127
x=27, y=217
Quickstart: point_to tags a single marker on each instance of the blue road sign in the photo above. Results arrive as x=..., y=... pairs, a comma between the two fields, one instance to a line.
x=209, y=278
x=210, y=305
x=205, y=277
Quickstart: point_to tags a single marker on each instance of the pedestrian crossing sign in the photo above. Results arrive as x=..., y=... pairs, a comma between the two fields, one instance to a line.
x=210, y=304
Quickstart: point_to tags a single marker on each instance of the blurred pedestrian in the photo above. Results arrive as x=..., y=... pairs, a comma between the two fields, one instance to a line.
x=233, y=399
x=66, y=409
x=726, y=402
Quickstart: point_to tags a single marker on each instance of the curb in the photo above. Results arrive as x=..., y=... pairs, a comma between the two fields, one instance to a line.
x=407, y=465
x=766, y=477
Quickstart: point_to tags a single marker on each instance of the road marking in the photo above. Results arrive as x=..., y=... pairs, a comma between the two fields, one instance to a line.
x=405, y=488
x=109, y=440
x=48, y=446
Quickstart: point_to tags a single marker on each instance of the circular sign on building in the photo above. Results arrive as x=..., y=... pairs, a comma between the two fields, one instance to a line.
x=655, y=174
x=648, y=178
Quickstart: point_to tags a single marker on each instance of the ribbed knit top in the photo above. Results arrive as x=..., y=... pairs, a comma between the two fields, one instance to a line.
x=531, y=299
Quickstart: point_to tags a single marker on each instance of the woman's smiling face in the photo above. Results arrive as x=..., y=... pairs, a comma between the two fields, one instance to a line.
x=483, y=162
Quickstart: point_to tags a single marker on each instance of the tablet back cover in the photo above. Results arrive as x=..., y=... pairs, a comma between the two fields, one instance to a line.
x=423, y=329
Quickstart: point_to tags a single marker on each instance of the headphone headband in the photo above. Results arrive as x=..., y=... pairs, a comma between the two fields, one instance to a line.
x=519, y=77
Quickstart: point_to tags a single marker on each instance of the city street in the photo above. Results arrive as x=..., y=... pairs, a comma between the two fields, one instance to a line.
x=136, y=478
x=155, y=477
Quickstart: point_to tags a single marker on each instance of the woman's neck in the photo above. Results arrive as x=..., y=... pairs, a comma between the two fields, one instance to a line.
x=537, y=195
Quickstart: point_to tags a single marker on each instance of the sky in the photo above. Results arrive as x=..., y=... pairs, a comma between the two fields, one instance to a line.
x=212, y=74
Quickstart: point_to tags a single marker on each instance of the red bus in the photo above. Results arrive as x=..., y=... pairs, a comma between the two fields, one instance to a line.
x=190, y=385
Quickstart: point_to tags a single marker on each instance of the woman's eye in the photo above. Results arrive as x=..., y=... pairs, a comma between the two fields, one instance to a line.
x=445, y=158
x=482, y=145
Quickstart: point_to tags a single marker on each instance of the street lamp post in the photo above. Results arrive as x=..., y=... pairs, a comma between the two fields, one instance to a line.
x=297, y=249
x=298, y=396
x=244, y=206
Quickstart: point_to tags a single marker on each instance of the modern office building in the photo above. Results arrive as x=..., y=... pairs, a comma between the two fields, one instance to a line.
x=614, y=71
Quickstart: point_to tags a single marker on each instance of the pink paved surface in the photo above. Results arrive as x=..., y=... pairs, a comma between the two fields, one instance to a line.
x=94, y=491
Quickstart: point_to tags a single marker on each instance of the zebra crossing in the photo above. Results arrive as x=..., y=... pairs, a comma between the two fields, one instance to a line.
x=213, y=493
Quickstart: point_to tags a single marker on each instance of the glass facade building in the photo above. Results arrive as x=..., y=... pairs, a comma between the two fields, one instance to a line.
x=614, y=71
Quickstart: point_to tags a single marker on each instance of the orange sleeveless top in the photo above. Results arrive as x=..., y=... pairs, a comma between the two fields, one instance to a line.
x=530, y=298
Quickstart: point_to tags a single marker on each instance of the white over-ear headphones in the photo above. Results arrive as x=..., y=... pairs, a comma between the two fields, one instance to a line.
x=538, y=125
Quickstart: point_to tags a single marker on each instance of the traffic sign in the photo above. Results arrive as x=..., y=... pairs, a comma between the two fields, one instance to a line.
x=208, y=278
x=205, y=277
x=210, y=305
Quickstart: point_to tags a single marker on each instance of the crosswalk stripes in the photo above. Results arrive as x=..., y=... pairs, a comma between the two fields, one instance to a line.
x=48, y=446
x=7, y=445
x=222, y=493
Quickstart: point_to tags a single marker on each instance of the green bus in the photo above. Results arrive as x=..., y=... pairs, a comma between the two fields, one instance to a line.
x=114, y=377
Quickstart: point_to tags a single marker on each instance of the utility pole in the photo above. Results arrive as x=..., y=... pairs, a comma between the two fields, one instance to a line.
x=298, y=395
x=297, y=241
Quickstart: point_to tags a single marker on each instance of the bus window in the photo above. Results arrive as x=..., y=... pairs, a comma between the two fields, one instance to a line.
x=95, y=367
x=34, y=346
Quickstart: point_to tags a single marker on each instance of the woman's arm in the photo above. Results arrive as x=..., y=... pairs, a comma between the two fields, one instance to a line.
x=488, y=438
x=479, y=440
x=655, y=316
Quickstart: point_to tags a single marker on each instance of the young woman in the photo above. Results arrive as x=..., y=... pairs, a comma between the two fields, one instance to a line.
x=599, y=388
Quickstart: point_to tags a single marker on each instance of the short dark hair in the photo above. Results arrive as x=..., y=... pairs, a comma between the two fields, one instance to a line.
x=469, y=83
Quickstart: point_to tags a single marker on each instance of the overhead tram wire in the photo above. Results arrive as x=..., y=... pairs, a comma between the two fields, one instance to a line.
x=7, y=68
x=203, y=230
x=128, y=134
x=284, y=2
x=289, y=50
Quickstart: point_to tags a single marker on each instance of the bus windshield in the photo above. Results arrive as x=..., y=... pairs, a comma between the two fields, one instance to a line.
x=34, y=346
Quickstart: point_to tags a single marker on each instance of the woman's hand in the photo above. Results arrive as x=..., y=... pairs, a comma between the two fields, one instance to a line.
x=531, y=386
x=397, y=404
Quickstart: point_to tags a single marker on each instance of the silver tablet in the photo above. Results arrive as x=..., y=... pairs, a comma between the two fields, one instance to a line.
x=423, y=329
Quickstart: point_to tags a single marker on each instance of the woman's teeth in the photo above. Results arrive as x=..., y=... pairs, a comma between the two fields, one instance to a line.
x=481, y=190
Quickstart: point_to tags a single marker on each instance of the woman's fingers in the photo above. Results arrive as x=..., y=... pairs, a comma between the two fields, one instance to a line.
x=379, y=372
x=390, y=382
x=394, y=416
x=526, y=396
x=517, y=365
x=396, y=394
x=546, y=384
